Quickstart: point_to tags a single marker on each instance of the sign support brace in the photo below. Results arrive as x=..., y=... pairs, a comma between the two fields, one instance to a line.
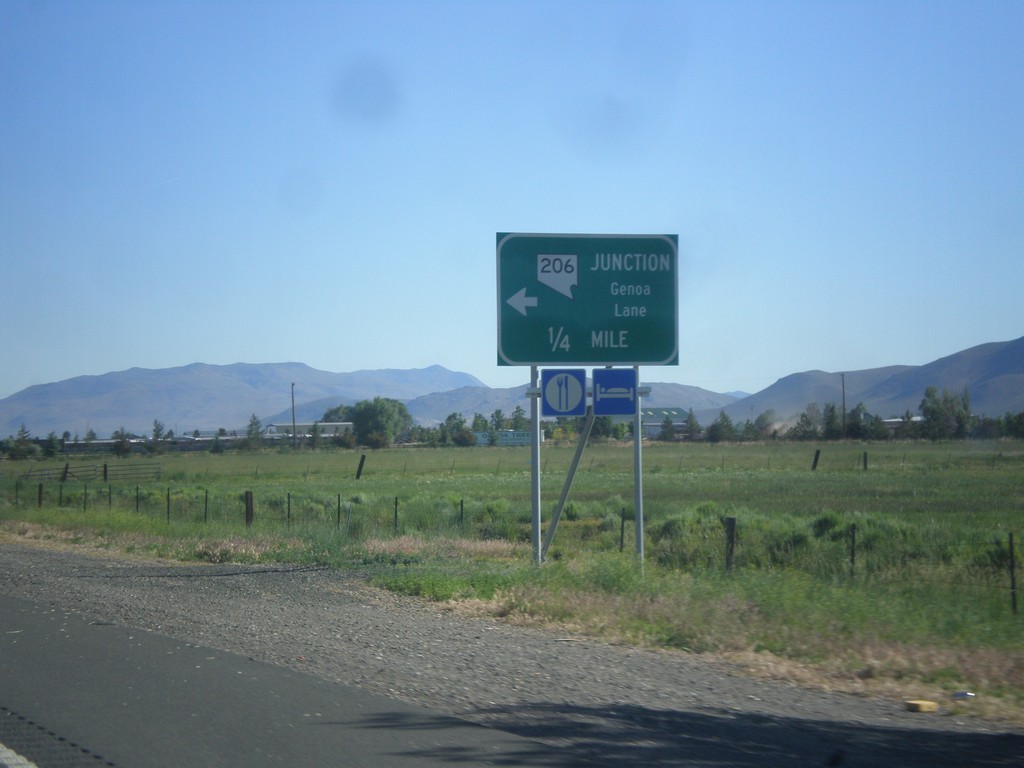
x=584, y=436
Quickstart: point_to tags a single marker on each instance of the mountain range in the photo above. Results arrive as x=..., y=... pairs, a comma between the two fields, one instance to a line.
x=205, y=397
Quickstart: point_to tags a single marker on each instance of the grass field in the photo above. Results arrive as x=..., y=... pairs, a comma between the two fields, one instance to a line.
x=895, y=576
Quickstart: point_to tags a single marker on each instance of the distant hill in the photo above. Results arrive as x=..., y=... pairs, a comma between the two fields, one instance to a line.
x=201, y=396
x=204, y=397
x=993, y=375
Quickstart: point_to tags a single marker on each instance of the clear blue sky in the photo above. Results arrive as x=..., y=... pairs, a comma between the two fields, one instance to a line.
x=322, y=181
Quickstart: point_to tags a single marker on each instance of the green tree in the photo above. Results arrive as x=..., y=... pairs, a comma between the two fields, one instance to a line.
x=602, y=428
x=480, y=423
x=155, y=445
x=22, y=446
x=316, y=433
x=749, y=432
x=874, y=428
x=721, y=429
x=804, y=429
x=336, y=414
x=946, y=415
x=452, y=424
x=497, y=420
x=520, y=422
x=692, y=429
x=420, y=434
x=764, y=424
x=668, y=429
x=856, y=422
x=832, y=426
x=907, y=428
x=254, y=433
x=1013, y=424
x=52, y=445
x=122, y=442
x=380, y=422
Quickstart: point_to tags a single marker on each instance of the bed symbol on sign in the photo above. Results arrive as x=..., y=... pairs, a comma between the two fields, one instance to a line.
x=615, y=391
x=563, y=392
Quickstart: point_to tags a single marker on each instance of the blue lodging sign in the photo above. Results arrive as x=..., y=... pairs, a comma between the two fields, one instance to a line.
x=615, y=392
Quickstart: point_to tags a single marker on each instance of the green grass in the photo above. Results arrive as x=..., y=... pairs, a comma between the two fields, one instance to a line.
x=926, y=599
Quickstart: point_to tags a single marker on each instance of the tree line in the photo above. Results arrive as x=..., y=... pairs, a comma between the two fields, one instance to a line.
x=942, y=415
x=383, y=421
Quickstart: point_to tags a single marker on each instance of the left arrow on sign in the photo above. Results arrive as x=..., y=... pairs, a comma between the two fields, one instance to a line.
x=521, y=301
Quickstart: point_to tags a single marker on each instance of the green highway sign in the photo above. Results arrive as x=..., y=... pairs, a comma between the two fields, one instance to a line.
x=588, y=299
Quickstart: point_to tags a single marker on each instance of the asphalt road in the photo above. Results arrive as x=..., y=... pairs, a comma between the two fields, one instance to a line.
x=132, y=662
x=74, y=693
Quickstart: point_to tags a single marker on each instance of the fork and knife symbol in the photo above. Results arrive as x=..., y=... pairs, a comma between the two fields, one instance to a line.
x=563, y=392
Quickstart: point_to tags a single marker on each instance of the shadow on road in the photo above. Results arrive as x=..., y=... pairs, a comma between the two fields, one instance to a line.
x=637, y=736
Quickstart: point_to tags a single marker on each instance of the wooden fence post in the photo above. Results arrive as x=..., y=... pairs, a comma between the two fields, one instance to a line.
x=1013, y=578
x=168, y=506
x=853, y=548
x=250, y=510
x=41, y=494
x=359, y=472
x=206, y=507
x=730, y=541
x=289, y=509
x=396, y=514
x=817, y=455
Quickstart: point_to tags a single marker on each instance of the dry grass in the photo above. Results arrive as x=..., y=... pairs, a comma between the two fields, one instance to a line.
x=444, y=548
x=902, y=673
x=894, y=671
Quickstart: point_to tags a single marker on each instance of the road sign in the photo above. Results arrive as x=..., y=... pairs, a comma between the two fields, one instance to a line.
x=588, y=299
x=614, y=391
x=563, y=392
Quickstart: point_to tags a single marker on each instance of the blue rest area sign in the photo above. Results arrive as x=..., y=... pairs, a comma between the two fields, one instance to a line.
x=563, y=392
x=615, y=391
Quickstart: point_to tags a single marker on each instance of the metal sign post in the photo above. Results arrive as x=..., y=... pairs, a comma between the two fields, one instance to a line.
x=638, y=476
x=535, y=465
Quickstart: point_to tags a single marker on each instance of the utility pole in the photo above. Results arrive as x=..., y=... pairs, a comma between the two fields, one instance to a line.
x=293, y=417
